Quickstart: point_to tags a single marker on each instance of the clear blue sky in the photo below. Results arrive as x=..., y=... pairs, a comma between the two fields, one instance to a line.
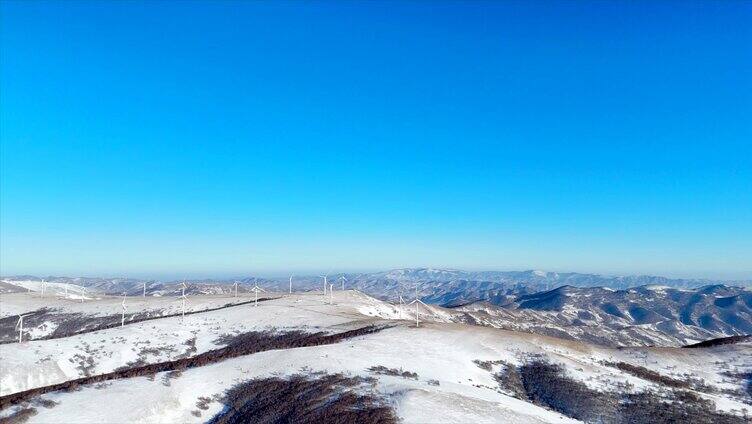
x=231, y=138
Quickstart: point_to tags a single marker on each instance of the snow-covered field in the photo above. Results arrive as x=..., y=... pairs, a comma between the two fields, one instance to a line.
x=450, y=386
x=100, y=305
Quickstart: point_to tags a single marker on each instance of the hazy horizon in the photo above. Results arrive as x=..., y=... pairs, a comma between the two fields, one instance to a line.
x=279, y=274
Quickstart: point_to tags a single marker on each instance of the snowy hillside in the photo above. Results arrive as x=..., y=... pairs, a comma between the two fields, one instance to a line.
x=645, y=315
x=363, y=356
x=441, y=286
x=655, y=315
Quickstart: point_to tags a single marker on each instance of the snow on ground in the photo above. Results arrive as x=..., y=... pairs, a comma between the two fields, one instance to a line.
x=440, y=351
x=102, y=305
x=45, y=289
x=465, y=392
x=707, y=365
x=44, y=362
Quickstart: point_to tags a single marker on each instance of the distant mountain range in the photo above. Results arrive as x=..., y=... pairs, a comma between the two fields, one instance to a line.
x=449, y=287
x=646, y=315
x=615, y=311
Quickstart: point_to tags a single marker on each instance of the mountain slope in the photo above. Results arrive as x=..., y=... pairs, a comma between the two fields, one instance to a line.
x=645, y=315
x=439, y=372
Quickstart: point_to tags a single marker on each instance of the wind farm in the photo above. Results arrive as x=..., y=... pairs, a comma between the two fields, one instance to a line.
x=209, y=323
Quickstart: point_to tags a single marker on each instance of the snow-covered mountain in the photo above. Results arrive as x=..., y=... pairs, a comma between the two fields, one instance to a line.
x=448, y=286
x=441, y=286
x=646, y=315
x=303, y=357
x=663, y=313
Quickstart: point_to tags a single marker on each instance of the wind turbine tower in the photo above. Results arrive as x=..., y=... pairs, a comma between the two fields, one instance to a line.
x=122, y=315
x=344, y=280
x=256, y=289
x=325, y=282
x=290, y=283
x=183, y=299
x=417, y=303
x=401, y=304
x=19, y=326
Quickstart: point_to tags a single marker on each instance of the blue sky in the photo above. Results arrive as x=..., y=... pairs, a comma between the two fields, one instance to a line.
x=231, y=138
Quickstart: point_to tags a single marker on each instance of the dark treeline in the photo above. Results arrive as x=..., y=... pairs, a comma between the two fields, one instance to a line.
x=546, y=384
x=649, y=375
x=327, y=399
x=721, y=341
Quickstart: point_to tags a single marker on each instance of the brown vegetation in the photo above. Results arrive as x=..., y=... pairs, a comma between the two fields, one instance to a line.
x=649, y=375
x=327, y=399
x=382, y=370
x=546, y=384
x=721, y=341
x=20, y=416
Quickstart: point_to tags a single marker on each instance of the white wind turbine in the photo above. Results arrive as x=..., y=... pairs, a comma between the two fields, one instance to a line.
x=343, y=279
x=331, y=294
x=256, y=289
x=417, y=303
x=183, y=299
x=122, y=315
x=401, y=304
x=325, y=282
x=19, y=326
x=83, y=293
x=290, y=283
x=44, y=285
x=236, y=288
x=144, y=295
